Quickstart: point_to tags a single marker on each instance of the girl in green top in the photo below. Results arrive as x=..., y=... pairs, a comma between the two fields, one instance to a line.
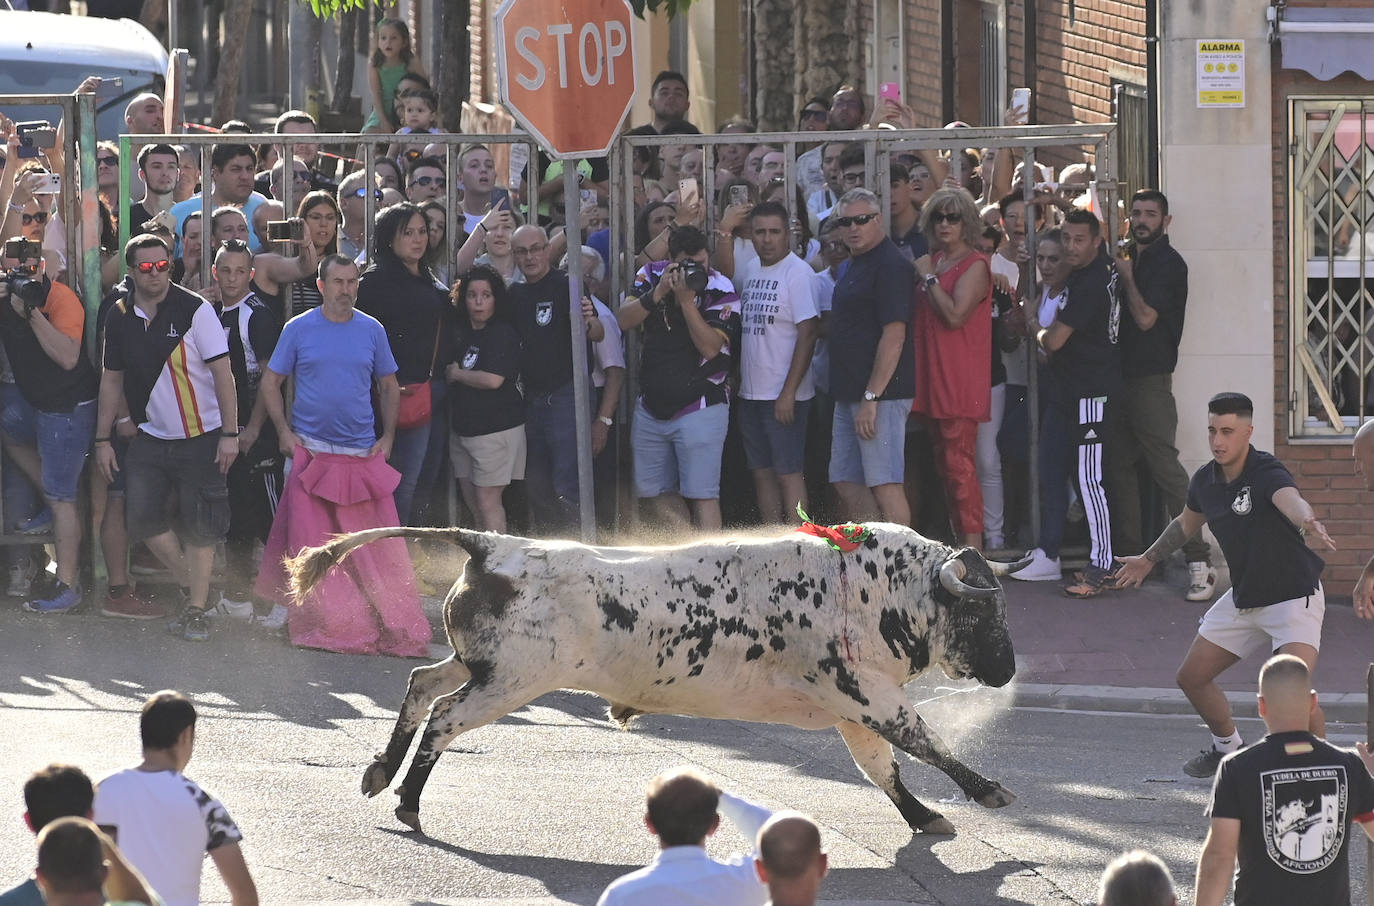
x=391, y=60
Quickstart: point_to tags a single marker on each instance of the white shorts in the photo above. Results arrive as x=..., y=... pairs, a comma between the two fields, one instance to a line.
x=1241, y=630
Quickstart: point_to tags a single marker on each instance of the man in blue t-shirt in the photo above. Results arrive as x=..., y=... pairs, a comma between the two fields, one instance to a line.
x=335, y=354
x=1260, y=521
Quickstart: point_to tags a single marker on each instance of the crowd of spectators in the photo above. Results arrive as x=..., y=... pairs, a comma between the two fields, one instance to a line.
x=864, y=357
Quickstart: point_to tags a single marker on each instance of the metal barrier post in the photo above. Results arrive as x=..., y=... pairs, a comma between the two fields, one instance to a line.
x=586, y=494
x=1369, y=741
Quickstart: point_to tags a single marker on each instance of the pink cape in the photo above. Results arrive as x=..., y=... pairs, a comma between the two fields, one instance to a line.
x=369, y=604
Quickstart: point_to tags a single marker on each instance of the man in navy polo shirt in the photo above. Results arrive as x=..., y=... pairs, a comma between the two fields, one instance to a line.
x=1260, y=520
x=872, y=365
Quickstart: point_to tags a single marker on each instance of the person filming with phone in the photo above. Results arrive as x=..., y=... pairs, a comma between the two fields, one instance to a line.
x=690, y=316
x=48, y=425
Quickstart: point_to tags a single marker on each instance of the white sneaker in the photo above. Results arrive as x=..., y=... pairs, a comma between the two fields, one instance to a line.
x=1040, y=569
x=274, y=620
x=1202, y=581
x=234, y=610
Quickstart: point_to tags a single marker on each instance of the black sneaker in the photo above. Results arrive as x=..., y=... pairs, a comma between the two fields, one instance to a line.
x=196, y=626
x=1204, y=764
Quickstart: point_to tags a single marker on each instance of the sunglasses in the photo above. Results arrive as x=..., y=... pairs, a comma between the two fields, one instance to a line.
x=437, y=181
x=108, y=161
x=147, y=267
x=946, y=217
x=362, y=191
x=856, y=220
x=40, y=217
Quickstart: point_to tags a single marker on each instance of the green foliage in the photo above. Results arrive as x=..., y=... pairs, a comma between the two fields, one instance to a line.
x=325, y=8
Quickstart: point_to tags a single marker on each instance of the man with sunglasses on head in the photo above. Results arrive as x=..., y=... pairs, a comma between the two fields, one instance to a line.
x=872, y=365
x=426, y=179
x=167, y=354
x=49, y=423
x=353, y=191
x=301, y=123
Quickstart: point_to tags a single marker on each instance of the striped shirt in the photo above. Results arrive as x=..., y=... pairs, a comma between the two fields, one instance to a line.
x=165, y=363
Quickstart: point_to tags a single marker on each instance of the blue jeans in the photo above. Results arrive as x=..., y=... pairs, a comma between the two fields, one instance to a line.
x=551, y=458
x=407, y=457
x=62, y=439
x=436, y=453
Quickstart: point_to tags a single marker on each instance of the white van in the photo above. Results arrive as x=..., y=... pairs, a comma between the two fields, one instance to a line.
x=49, y=53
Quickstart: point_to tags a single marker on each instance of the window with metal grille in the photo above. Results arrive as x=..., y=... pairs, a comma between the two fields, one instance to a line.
x=1331, y=258
x=1133, y=136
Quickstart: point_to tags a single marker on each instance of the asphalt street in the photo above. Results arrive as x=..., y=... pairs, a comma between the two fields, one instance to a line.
x=545, y=806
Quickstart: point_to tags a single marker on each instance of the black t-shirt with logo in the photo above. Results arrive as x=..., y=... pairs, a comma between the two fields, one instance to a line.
x=543, y=320
x=476, y=411
x=1089, y=363
x=1295, y=797
x=1268, y=558
x=1161, y=276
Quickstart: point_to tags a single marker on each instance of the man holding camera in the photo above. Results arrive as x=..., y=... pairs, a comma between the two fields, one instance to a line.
x=691, y=320
x=48, y=425
x=167, y=353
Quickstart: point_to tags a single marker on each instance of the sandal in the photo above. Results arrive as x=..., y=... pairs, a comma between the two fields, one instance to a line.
x=1088, y=585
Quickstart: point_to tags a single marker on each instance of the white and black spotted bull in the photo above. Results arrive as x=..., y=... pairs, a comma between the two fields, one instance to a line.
x=779, y=630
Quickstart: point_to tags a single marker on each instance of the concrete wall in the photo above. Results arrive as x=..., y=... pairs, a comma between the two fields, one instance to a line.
x=1212, y=162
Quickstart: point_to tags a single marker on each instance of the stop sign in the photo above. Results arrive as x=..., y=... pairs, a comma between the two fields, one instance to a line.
x=567, y=70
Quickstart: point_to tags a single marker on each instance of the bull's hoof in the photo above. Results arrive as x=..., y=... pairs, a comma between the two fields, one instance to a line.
x=374, y=779
x=408, y=818
x=938, y=825
x=998, y=797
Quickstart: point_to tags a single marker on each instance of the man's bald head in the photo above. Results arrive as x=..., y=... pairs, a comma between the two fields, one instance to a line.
x=531, y=249
x=680, y=806
x=789, y=845
x=1362, y=448
x=1285, y=692
x=1136, y=878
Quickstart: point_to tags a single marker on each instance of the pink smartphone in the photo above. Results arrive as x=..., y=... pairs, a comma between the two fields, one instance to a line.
x=889, y=91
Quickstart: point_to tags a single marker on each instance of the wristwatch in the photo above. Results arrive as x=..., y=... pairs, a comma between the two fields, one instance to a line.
x=605, y=420
x=870, y=396
x=930, y=280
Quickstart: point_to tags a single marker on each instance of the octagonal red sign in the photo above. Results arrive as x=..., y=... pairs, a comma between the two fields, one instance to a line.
x=567, y=70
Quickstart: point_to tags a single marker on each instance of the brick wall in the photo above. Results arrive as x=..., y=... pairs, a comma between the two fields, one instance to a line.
x=1324, y=470
x=923, y=69
x=1077, y=57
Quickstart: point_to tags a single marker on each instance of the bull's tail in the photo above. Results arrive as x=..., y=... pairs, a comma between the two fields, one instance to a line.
x=308, y=568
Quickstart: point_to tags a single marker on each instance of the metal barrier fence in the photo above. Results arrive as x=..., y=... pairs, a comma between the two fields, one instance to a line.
x=879, y=145
x=80, y=219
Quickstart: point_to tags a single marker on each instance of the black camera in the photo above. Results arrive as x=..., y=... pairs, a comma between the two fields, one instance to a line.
x=292, y=230
x=35, y=135
x=694, y=275
x=23, y=280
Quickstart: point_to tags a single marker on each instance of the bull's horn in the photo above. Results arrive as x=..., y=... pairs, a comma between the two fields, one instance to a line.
x=952, y=578
x=1006, y=569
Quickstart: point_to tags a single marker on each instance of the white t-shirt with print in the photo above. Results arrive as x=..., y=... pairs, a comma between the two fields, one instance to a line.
x=774, y=299
x=164, y=823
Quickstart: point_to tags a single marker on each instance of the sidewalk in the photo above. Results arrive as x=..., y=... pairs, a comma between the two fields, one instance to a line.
x=1119, y=651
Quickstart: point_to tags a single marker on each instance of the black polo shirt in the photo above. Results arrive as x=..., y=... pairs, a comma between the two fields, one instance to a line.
x=1161, y=276
x=478, y=411
x=1269, y=560
x=164, y=362
x=1089, y=362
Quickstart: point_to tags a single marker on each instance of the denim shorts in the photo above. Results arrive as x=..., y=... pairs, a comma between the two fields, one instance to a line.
x=160, y=468
x=875, y=462
x=769, y=444
x=679, y=454
x=63, y=440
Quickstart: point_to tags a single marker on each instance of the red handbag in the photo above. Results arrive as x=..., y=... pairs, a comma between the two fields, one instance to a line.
x=416, y=399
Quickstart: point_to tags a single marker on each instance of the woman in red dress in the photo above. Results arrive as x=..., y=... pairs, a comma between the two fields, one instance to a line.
x=953, y=337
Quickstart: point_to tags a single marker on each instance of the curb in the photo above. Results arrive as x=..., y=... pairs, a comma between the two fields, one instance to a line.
x=1346, y=707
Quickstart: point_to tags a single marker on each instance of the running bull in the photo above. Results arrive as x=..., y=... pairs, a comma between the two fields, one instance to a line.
x=780, y=630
